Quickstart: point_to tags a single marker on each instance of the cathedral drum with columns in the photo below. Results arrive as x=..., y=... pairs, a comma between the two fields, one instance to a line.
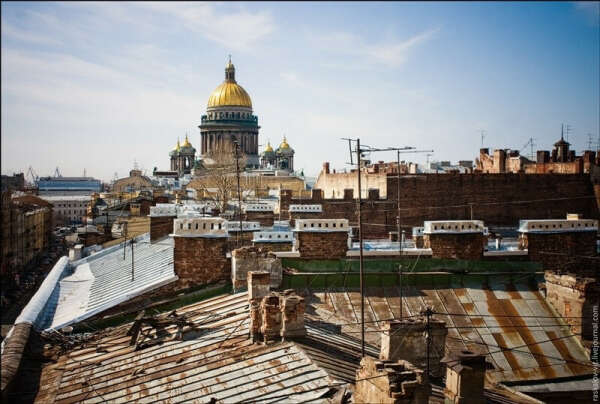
x=229, y=118
x=183, y=157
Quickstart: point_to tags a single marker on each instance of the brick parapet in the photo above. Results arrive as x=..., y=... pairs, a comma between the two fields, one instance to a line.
x=160, y=226
x=322, y=245
x=199, y=261
x=423, y=194
x=467, y=246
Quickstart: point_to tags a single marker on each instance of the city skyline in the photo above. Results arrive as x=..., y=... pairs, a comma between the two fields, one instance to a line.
x=96, y=86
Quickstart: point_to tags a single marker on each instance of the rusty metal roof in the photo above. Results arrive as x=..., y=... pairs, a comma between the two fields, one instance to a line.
x=521, y=335
x=213, y=359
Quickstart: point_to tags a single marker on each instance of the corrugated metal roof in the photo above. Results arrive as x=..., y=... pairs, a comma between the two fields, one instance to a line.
x=511, y=323
x=104, y=280
x=214, y=359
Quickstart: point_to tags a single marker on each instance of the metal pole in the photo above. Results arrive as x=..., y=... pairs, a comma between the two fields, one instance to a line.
x=132, y=277
x=399, y=237
x=237, y=170
x=360, y=242
x=428, y=315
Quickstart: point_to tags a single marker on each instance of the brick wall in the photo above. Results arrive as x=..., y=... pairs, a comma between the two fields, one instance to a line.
x=273, y=246
x=467, y=246
x=200, y=260
x=247, y=259
x=292, y=216
x=435, y=196
x=160, y=226
x=265, y=218
x=322, y=244
x=565, y=252
x=573, y=297
x=245, y=239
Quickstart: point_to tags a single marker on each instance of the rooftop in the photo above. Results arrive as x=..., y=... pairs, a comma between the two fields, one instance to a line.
x=74, y=291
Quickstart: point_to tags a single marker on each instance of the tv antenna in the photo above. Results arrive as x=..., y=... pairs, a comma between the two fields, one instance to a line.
x=483, y=133
x=531, y=144
x=567, y=130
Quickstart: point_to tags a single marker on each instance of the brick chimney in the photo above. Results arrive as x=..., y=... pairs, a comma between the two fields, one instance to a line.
x=406, y=339
x=271, y=318
x=292, y=310
x=562, y=244
x=200, y=250
x=322, y=238
x=455, y=239
x=258, y=284
x=465, y=376
x=161, y=220
x=390, y=382
x=326, y=167
x=274, y=315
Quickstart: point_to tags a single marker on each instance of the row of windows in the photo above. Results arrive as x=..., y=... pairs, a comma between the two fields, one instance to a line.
x=541, y=226
x=271, y=236
x=71, y=205
x=232, y=115
x=449, y=227
x=189, y=226
x=326, y=225
x=68, y=212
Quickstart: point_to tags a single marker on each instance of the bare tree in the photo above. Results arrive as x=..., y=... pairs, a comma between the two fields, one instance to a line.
x=217, y=180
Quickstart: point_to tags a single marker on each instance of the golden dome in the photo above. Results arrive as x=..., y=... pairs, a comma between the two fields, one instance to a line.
x=284, y=144
x=268, y=149
x=178, y=146
x=229, y=93
x=187, y=142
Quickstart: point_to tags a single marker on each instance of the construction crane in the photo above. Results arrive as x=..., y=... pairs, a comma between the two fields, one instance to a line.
x=32, y=176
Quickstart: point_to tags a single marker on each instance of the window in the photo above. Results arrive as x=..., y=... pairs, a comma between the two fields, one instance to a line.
x=212, y=226
x=196, y=226
x=181, y=226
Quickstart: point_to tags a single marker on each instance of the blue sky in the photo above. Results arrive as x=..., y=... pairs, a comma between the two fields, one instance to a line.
x=96, y=85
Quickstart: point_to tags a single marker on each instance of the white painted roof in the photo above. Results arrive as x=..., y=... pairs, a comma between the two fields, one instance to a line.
x=75, y=291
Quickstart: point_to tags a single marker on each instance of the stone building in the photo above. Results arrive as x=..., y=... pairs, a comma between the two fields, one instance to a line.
x=135, y=182
x=561, y=160
x=229, y=118
x=280, y=159
x=26, y=233
x=68, y=209
x=183, y=157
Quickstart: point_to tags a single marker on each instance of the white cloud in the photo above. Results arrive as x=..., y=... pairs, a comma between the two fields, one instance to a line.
x=390, y=53
x=238, y=30
x=10, y=31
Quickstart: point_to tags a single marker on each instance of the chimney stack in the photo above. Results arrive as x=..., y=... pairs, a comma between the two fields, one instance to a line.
x=465, y=376
x=407, y=340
